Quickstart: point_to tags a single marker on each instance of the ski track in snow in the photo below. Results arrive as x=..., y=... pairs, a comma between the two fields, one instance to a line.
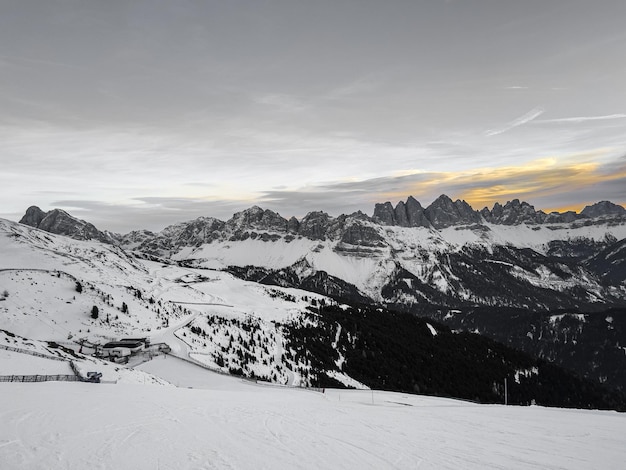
x=229, y=424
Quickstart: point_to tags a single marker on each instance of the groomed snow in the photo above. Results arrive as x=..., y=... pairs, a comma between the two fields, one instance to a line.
x=77, y=426
x=15, y=363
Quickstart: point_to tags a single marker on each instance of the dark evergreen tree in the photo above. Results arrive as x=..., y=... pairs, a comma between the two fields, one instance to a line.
x=94, y=312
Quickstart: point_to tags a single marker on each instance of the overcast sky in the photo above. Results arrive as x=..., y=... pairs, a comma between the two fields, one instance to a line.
x=137, y=114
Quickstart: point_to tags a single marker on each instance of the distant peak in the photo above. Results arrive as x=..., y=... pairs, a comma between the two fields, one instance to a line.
x=33, y=216
x=444, y=212
x=603, y=209
x=60, y=222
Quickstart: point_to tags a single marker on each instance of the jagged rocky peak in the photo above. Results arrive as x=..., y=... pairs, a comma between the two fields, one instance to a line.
x=603, y=209
x=561, y=217
x=416, y=216
x=409, y=214
x=293, y=225
x=384, y=214
x=359, y=234
x=315, y=225
x=444, y=212
x=358, y=215
x=513, y=213
x=33, y=216
x=135, y=238
x=201, y=230
x=59, y=222
x=259, y=219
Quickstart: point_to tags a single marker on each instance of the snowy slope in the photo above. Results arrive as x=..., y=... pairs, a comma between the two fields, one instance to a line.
x=40, y=272
x=421, y=251
x=247, y=426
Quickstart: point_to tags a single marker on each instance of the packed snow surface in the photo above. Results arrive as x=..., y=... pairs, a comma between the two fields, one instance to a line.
x=212, y=421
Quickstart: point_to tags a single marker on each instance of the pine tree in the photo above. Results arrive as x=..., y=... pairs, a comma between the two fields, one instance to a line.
x=94, y=312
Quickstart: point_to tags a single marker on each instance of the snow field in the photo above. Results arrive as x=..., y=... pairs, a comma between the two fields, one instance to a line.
x=46, y=305
x=255, y=427
x=15, y=363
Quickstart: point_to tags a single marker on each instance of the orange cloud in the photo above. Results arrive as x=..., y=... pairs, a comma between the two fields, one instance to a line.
x=537, y=179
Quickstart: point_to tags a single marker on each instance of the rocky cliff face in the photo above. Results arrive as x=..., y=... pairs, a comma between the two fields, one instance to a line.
x=60, y=222
x=603, y=209
x=255, y=224
x=258, y=219
x=444, y=212
x=33, y=216
x=513, y=213
x=409, y=214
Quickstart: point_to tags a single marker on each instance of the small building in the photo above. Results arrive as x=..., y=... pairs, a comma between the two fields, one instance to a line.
x=122, y=348
x=145, y=341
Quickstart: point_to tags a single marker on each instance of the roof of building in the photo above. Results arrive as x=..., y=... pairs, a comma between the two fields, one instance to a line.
x=123, y=344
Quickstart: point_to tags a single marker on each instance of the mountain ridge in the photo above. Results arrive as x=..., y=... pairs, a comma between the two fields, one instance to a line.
x=443, y=212
x=442, y=249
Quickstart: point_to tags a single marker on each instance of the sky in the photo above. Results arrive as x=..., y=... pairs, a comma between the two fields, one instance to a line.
x=139, y=114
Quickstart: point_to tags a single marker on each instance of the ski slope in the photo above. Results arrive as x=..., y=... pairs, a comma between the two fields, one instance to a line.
x=215, y=421
x=224, y=423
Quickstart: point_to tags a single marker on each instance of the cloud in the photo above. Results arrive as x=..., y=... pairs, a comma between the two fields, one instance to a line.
x=355, y=87
x=151, y=213
x=282, y=102
x=529, y=116
x=566, y=182
x=572, y=180
x=582, y=119
x=549, y=182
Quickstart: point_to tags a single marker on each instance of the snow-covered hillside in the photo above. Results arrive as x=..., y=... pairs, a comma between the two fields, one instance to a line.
x=41, y=273
x=53, y=283
x=443, y=253
x=421, y=251
x=226, y=423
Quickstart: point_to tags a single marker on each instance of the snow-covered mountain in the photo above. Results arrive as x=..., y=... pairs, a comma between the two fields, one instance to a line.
x=60, y=222
x=412, y=257
x=444, y=258
x=52, y=284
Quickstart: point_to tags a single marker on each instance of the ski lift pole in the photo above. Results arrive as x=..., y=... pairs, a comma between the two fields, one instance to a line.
x=506, y=397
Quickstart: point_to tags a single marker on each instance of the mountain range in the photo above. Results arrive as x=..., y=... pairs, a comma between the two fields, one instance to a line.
x=445, y=254
x=481, y=271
